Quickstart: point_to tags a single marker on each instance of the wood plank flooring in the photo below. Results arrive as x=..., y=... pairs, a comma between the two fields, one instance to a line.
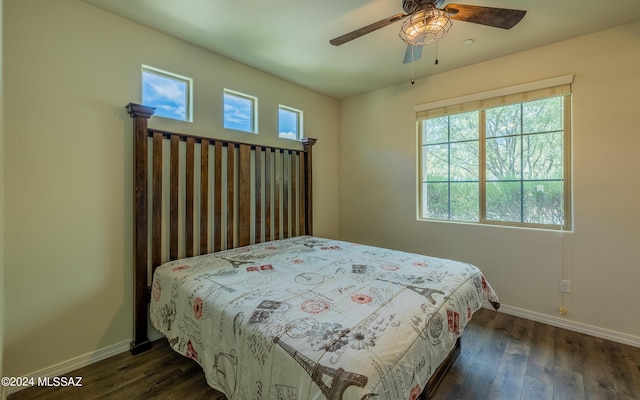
x=503, y=357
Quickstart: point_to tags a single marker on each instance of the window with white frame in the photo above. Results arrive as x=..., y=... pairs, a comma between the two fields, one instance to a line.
x=289, y=123
x=240, y=111
x=169, y=93
x=501, y=160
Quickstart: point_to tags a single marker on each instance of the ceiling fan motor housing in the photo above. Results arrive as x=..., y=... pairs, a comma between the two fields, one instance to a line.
x=411, y=6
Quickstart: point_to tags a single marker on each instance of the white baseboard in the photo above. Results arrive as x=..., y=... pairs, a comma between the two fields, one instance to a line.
x=565, y=323
x=81, y=361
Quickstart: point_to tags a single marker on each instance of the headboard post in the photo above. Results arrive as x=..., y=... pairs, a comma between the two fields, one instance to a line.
x=140, y=115
x=308, y=145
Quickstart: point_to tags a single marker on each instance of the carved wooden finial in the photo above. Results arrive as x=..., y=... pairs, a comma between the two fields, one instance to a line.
x=138, y=110
x=308, y=142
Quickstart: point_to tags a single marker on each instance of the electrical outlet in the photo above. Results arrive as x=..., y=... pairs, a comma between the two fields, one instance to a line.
x=565, y=286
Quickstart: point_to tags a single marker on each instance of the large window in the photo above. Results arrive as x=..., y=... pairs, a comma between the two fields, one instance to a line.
x=506, y=164
x=169, y=93
x=240, y=111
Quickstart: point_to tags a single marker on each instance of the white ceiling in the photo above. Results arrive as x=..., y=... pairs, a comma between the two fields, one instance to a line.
x=290, y=39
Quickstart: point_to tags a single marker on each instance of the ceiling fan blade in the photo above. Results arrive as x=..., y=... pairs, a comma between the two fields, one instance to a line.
x=504, y=18
x=413, y=53
x=366, y=29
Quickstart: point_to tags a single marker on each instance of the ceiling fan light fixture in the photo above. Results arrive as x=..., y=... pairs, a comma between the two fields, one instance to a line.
x=425, y=26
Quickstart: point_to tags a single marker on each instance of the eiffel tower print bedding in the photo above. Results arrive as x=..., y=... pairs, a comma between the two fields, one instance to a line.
x=312, y=318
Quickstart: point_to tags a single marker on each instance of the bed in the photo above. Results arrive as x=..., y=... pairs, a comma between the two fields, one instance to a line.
x=237, y=281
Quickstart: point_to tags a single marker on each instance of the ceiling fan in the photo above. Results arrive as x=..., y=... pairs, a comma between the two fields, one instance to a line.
x=426, y=22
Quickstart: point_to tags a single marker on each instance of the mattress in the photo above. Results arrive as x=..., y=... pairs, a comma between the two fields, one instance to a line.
x=314, y=318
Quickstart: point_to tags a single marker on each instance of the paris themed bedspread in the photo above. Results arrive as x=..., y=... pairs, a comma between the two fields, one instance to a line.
x=313, y=318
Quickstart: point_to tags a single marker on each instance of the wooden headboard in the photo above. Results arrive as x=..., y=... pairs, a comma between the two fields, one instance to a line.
x=196, y=195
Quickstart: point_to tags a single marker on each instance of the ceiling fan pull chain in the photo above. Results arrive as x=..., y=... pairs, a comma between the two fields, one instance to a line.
x=436, y=54
x=412, y=75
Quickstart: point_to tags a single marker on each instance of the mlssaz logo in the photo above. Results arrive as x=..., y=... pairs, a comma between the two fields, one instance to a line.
x=60, y=381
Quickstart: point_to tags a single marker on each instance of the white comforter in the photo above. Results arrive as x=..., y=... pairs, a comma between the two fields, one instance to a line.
x=311, y=318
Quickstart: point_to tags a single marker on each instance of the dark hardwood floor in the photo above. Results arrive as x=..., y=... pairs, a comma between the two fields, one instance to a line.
x=503, y=357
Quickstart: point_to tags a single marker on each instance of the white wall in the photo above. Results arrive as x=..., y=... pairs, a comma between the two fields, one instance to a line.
x=378, y=182
x=70, y=70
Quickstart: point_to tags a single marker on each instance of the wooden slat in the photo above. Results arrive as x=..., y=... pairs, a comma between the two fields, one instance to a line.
x=294, y=197
x=301, y=196
x=217, y=198
x=189, y=198
x=231, y=196
x=308, y=219
x=173, y=199
x=268, y=182
x=156, y=202
x=258, y=194
x=277, y=173
x=286, y=174
x=204, y=197
x=244, y=195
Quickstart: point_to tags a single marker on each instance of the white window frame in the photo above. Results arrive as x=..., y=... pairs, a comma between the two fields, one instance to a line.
x=253, y=123
x=188, y=100
x=554, y=87
x=299, y=123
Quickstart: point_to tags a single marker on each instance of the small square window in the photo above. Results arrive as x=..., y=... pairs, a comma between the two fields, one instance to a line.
x=169, y=93
x=289, y=123
x=240, y=111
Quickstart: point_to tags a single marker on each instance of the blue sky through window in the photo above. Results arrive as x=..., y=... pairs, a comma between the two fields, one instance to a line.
x=169, y=95
x=288, y=121
x=238, y=112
